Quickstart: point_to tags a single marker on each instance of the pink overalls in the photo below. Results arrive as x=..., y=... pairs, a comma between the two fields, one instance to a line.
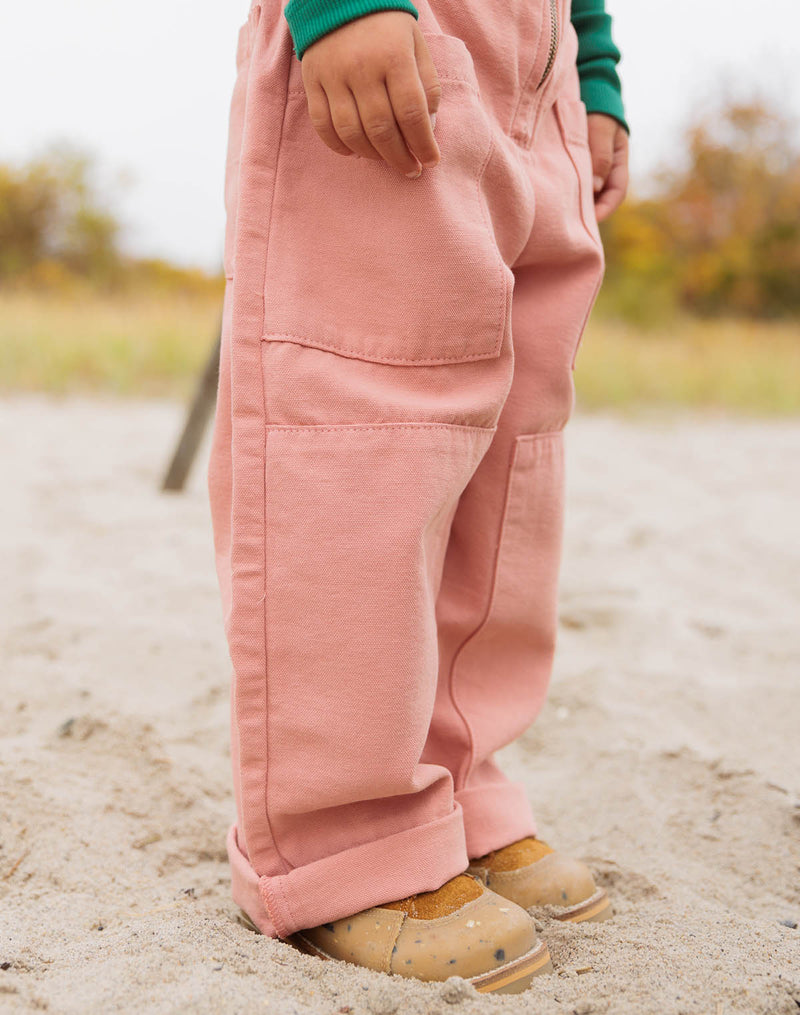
x=387, y=470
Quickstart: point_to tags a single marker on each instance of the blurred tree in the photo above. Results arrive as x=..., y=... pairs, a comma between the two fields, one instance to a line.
x=718, y=235
x=56, y=234
x=721, y=235
x=49, y=212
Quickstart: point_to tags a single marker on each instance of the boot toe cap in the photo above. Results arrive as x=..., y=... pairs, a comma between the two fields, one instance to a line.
x=555, y=880
x=486, y=934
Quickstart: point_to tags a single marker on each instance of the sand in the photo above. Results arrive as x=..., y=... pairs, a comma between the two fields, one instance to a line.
x=666, y=755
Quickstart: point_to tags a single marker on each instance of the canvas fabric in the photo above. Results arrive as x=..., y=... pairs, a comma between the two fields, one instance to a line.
x=386, y=477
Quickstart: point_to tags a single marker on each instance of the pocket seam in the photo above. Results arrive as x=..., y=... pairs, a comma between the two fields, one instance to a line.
x=449, y=69
x=443, y=76
x=333, y=427
x=569, y=133
x=573, y=140
x=504, y=278
x=342, y=350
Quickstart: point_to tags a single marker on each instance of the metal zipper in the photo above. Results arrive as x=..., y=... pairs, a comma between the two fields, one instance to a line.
x=522, y=125
x=553, y=43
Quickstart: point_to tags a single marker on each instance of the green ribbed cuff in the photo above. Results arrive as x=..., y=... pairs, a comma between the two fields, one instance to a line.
x=598, y=56
x=602, y=95
x=309, y=20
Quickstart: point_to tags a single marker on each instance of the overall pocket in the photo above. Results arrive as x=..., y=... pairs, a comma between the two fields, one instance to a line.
x=368, y=264
x=574, y=126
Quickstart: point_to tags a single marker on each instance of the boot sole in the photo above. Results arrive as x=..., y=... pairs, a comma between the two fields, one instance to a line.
x=597, y=907
x=516, y=976
x=512, y=978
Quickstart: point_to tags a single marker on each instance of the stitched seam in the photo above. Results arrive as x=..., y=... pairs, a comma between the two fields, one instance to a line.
x=313, y=428
x=503, y=284
x=386, y=958
x=443, y=76
x=386, y=961
x=286, y=903
x=271, y=217
x=539, y=436
x=287, y=866
x=276, y=336
x=451, y=682
x=568, y=145
x=285, y=863
x=456, y=916
x=265, y=890
x=490, y=232
x=568, y=139
x=589, y=309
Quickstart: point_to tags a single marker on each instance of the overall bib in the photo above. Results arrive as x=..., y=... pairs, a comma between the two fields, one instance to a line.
x=387, y=468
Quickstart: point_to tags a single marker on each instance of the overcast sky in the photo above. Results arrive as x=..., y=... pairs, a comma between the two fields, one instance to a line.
x=144, y=86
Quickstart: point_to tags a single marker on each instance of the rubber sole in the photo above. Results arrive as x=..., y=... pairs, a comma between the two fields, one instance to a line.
x=512, y=978
x=597, y=907
x=516, y=976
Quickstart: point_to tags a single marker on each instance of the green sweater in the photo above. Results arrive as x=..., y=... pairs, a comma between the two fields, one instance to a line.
x=597, y=60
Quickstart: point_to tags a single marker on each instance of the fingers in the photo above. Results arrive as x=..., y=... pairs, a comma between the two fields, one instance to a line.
x=322, y=118
x=601, y=144
x=412, y=112
x=366, y=128
x=613, y=193
x=428, y=150
x=389, y=120
x=371, y=90
x=608, y=142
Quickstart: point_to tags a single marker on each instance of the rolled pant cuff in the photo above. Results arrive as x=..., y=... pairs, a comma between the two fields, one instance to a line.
x=419, y=859
x=495, y=815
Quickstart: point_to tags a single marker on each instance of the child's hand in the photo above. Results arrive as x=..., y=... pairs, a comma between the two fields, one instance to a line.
x=608, y=142
x=371, y=86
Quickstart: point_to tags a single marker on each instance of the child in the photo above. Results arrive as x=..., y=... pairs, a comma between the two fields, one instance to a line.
x=386, y=476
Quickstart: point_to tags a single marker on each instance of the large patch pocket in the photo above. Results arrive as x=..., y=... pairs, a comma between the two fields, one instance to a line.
x=363, y=262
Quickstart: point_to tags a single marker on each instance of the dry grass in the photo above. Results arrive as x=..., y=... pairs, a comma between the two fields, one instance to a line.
x=143, y=344
x=156, y=345
x=732, y=364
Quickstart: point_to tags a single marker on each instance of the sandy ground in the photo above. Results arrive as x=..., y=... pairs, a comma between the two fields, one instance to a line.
x=666, y=755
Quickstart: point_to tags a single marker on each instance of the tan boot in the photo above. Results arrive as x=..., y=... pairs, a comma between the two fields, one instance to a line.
x=533, y=875
x=461, y=929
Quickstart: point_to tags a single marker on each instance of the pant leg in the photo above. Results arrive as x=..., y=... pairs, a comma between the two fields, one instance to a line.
x=367, y=358
x=497, y=606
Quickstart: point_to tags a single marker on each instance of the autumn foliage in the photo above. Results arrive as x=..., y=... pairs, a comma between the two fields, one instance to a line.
x=56, y=235
x=720, y=235
x=717, y=235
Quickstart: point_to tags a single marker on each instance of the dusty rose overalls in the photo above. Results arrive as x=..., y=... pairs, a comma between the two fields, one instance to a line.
x=386, y=475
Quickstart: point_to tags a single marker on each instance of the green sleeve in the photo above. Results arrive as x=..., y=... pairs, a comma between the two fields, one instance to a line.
x=309, y=20
x=598, y=56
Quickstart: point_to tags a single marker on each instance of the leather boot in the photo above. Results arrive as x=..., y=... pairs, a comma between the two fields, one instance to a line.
x=533, y=875
x=461, y=929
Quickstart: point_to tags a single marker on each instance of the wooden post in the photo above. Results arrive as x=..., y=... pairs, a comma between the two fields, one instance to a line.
x=200, y=412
